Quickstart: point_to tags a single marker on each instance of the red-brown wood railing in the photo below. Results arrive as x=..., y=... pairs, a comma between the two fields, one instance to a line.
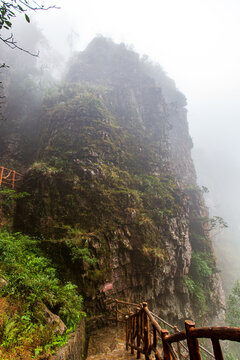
x=9, y=177
x=145, y=336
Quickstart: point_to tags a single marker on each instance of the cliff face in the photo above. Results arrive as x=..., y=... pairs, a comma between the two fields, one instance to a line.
x=113, y=188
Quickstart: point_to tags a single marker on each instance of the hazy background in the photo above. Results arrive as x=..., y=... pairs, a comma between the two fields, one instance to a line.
x=197, y=44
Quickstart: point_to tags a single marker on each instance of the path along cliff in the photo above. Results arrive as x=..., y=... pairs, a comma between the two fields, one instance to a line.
x=107, y=344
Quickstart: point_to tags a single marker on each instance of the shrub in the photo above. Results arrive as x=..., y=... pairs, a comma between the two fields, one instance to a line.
x=31, y=281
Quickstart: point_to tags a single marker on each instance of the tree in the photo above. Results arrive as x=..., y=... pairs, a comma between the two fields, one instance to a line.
x=9, y=10
x=233, y=318
x=233, y=306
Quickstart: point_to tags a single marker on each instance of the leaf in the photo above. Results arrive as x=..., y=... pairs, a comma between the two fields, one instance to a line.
x=27, y=18
x=20, y=8
x=9, y=24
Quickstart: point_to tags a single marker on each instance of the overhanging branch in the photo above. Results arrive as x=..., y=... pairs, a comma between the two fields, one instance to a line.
x=10, y=42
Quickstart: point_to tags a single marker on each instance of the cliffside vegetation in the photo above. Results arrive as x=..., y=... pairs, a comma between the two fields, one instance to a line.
x=111, y=197
x=37, y=310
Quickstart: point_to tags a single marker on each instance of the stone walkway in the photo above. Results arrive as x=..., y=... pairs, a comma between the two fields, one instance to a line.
x=108, y=344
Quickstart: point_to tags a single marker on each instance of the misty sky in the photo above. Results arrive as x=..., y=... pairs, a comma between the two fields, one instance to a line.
x=197, y=44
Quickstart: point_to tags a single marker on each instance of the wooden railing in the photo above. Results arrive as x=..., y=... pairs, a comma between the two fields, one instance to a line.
x=192, y=334
x=145, y=336
x=9, y=177
x=121, y=309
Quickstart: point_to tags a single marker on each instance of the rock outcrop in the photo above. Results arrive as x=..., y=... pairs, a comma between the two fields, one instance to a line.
x=113, y=186
x=75, y=349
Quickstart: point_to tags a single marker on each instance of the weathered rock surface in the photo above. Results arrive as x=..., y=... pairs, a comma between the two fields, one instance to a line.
x=114, y=188
x=54, y=320
x=76, y=346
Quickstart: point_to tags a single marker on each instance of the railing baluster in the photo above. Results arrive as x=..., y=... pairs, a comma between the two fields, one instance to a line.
x=146, y=333
x=13, y=179
x=155, y=339
x=134, y=328
x=166, y=351
x=131, y=334
x=138, y=315
x=217, y=349
x=178, y=346
x=127, y=337
x=193, y=345
x=116, y=301
x=1, y=174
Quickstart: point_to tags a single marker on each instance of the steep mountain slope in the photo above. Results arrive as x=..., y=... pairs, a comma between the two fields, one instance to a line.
x=113, y=188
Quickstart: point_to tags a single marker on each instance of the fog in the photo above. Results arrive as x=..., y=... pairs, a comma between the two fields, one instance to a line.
x=196, y=42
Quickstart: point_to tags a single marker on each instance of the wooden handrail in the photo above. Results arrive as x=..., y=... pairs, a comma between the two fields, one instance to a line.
x=10, y=170
x=221, y=333
x=179, y=336
x=9, y=177
x=126, y=303
x=164, y=321
x=143, y=334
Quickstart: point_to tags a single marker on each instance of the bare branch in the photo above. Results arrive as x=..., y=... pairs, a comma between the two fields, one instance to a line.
x=8, y=11
x=28, y=6
x=10, y=42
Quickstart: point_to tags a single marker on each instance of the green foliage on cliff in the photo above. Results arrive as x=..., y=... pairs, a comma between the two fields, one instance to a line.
x=233, y=306
x=233, y=318
x=31, y=281
x=201, y=269
x=101, y=183
x=95, y=166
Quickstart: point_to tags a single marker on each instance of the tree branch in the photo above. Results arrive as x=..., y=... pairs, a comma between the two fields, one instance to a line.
x=10, y=42
x=8, y=11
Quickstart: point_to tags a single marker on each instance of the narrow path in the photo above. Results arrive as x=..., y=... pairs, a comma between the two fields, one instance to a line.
x=108, y=344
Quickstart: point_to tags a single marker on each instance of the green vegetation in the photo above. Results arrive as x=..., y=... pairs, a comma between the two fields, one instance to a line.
x=31, y=283
x=78, y=242
x=8, y=198
x=197, y=282
x=233, y=319
x=44, y=168
x=233, y=306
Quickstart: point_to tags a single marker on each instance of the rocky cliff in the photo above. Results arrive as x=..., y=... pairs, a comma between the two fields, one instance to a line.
x=113, y=188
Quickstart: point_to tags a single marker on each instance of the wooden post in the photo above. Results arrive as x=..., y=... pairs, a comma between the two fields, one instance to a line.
x=146, y=333
x=138, y=329
x=134, y=327
x=155, y=340
x=127, y=337
x=178, y=346
x=131, y=333
x=193, y=345
x=217, y=349
x=1, y=174
x=116, y=312
x=166, y=352
x=13, y=179
x=154, y=337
